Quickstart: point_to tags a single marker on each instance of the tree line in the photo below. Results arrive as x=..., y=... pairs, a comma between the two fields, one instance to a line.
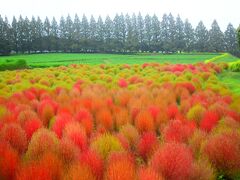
x=122, y=34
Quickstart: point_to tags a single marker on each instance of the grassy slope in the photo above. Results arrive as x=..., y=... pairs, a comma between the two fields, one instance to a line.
x=231, y=79
x=65, y=59
x=229, y=58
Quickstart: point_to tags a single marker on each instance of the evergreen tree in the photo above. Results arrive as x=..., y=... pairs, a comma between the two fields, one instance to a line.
x=77, y=34
x=116, y=34
x=156, y=31
x=147, y=32
x=63, y=34
x=201, y=38
x=100, y=34
x=122, y=28
x=180, y=35
x=140, y=27
x=129, y=29
x=238, y=35
x=46, y=35
x=216, y=38
x=15, y=35
x=93, y=34
x=188, y=37
x=39, y=35
x=54, y=35
x=165, y=34
x=135, y=39
x=33, y=33
x=5, y=34
x=230, y=38
x=108, y=34
x=172, y=33
x=69, y=33
x=85, y=33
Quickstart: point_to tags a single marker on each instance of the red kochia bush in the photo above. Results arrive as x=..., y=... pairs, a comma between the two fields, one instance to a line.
x=34, y=171
x=46, y=110
x=31, y=126
x=177, y=131
x=172, y=111
x=173, y=161
x=147, y=144
x=85, y=118
x=122, y=83
x=104, y=118
x=210, y=120
x=120, y=167
x=79, y=172
x=42, y=141
x=94, y=161
x=149, y=174
x=9, y=161
x=15, y=136
x=68, y=152
x=60, y=123
x=144, y=122
x=77, y=134
x=223, y=151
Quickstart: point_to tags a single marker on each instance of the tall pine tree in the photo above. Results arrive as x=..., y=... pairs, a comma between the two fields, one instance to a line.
x=216, y=38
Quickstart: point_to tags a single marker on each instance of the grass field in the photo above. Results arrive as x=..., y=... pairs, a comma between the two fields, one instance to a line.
x=56, y=59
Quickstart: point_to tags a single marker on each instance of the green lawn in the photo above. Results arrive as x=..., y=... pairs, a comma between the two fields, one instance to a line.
x=55, y=59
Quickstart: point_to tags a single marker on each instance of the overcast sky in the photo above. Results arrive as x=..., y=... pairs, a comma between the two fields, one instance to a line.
x=224, y=11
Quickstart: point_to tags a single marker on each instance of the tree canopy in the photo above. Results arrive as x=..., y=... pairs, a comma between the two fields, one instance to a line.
x=121, y=34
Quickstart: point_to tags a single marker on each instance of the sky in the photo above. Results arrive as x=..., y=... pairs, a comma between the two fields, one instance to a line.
x=224, y=11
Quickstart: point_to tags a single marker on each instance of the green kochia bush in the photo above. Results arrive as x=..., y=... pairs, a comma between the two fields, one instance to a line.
x=235, y=66
x=19, y=64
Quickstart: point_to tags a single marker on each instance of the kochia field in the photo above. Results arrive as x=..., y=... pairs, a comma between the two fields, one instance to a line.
x=138, y=122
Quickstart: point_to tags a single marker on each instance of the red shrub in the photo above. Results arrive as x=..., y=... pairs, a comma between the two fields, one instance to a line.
x=77, y=134
x=32, y=126
x=223, y=151
x=42, y=141
x=122, y=83
x=104, y=118
x=121, y=117
x=120, y=167
x=82, y=114
x=149, y=174
x=68, y=152
x=154, y=110
x=46, y=110
x=53, y=164
x=131, y=133
x=147, y=145
x=79, y=172
x=26, y=115
x=144, y=122
x=177, y=131
x=15, y=136
x=61, y=121
x=94, y=161
x=8, y=161
x=85, y=118
x=34, y=171
x=172, y=111
x=209, y=121
x=173, y=161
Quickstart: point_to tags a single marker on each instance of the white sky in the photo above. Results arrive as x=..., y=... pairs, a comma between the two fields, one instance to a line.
x=224, y=11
